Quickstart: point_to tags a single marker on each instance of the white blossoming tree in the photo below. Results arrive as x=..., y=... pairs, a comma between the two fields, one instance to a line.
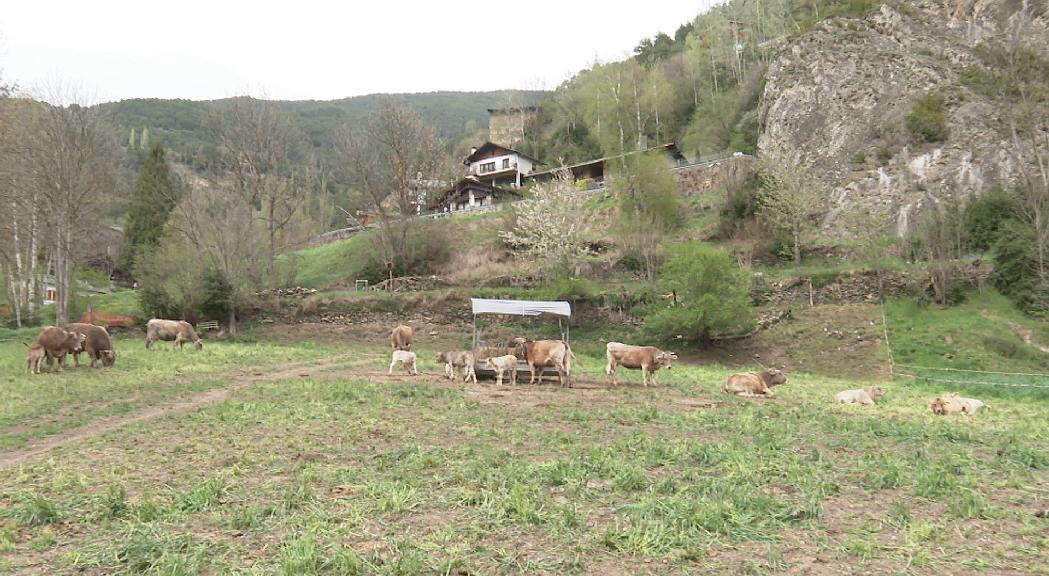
x=551, y=227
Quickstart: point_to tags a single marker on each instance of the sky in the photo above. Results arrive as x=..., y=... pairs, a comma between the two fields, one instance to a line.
x=306, y=49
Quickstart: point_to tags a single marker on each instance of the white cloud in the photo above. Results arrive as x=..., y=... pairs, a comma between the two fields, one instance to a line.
x=318, y=50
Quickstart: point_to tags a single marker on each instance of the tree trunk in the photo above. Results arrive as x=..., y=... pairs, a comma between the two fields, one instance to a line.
x=797, y=246
x=232, y=318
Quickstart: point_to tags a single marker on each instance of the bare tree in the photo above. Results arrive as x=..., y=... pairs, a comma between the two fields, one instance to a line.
x=71, y=155
x=791, y=197
x=392, y=158
x=265, y=156
x=20, y=229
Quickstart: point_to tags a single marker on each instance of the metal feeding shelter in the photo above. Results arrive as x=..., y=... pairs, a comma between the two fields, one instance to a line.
x=482, y=306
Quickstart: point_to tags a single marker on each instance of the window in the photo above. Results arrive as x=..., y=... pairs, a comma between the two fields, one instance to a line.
x=487, y=167
x=506, y=163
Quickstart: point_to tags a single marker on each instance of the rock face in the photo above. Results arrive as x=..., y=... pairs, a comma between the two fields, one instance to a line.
x=835, y=100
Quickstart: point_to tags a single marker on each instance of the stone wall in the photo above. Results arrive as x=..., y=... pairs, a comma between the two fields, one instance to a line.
x=703, y=178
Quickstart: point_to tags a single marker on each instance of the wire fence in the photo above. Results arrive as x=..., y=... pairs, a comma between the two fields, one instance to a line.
x=960, y=376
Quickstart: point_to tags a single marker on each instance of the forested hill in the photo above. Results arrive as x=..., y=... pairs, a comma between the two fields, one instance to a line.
x=180, y=124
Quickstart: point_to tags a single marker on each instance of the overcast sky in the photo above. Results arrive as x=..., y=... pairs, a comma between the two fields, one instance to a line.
x=307, y=49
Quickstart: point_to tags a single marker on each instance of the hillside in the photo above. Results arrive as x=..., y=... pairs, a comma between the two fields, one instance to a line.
x=180, y=124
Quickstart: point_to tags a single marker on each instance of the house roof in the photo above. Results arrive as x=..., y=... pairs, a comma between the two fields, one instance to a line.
x=520, y=307
x=467, y=185
x=670, y=148
x=493, y=147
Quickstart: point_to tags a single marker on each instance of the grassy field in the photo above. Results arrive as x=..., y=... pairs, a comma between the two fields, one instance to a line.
x=328, y=466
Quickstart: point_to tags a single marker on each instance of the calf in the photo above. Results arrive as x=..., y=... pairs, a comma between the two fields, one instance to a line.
x=406, y=358
x=864, y=396
x=177, y=331
x=952, y=403
x=543, y=353
x=34, y=357
x=647, y=358
x=56, y=343
x=753, y=384
x=463, y=359
x=401, y=337
x=500, y=364
x=97, y=344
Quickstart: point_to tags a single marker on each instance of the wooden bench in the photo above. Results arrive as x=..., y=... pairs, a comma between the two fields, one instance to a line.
x=206, y=326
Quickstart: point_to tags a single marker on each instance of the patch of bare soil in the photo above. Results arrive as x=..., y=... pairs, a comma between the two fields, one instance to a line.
x=238, y=381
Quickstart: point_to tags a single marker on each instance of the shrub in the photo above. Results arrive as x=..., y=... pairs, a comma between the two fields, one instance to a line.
x=984, y=216
x=712, y=293
x=927, y=121
x=1015, y=268
x=570, y=289
x=741, y=203
x=215, y=296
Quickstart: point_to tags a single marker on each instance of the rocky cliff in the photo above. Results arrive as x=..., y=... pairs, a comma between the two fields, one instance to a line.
x=836, y=98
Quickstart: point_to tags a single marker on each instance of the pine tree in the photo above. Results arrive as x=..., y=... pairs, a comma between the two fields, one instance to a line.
x=151, y=203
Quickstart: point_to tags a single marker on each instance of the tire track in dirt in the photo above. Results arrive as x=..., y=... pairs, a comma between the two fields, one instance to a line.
x=240, y=380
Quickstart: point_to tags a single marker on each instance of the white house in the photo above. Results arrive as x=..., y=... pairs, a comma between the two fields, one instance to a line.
x=498, y=165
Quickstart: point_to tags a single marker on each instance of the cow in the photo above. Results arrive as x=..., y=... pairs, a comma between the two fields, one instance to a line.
x=463, y=359
x=754, y=384
x=500, y=364
x=34, y=357
x=401, y=337
x=952, y=403
x=97, y=344
x=647, y=358
x=864, y=396
x=406, y=359
x=56, y=343
x=542, y=353
x=178, y=331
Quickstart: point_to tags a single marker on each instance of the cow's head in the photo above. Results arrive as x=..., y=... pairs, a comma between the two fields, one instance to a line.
x=876, y=392
x=773, y=377
x=442, y=358
x=199, y=344
x=108, y=358
x=663, y=359
x=76, y=341
x=938, y=406
x=489, y=364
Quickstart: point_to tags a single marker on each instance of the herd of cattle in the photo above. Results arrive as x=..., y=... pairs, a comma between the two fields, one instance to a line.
x=539, y=354
x=54, y=343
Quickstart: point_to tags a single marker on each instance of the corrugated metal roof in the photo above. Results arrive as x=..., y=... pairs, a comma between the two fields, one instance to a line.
x=520, y=307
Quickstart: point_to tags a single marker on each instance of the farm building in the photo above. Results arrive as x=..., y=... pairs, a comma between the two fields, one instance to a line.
x=471, y=194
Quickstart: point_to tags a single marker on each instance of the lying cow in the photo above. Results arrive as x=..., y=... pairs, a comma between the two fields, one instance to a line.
x=543, y=353
x=56, y=343
x=406, y=359
x=647, y=358
x=97, y=344
x=34, y=357
x=500, y=364
x=458, y=359
x=753, y=384
x=952, y=403
x=177, y=331
x=864, y=396
x=401, y=337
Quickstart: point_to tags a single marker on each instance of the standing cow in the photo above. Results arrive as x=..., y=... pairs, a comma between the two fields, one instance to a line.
x=647, y=358
x=56, y=343
x=177, y=331
x=97, y=344
x=401, y=337
x=458, y=360
x=34, y=357
x=543, y=353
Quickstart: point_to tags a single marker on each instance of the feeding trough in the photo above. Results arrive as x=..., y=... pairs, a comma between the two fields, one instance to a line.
x=529, y=308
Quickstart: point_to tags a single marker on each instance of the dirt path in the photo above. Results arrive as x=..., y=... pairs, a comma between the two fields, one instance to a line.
x=239, y=380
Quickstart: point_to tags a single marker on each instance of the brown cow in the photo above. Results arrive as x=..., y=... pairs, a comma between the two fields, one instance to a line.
x=56, y=343
x=647, y=358
x=401, y=337
x=463, y=359
x=97, y=344
x=178, y=331
x=34, y=357
x=543, y=353
x=752, y=384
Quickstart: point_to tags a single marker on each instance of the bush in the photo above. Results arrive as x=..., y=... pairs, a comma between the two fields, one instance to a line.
x=570, y=289
x=1014, y=268
x=927, y=121
x=429, y=246
x=712, y=293
x=215, y=296
x=984, y=216
x=741, y=204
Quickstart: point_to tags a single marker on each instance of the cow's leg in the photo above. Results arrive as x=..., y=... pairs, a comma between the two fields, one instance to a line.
x=76, y=360
x=471, y=374
x=611, y=371
x=531, y=373
x=644, y=376
x=390, y=371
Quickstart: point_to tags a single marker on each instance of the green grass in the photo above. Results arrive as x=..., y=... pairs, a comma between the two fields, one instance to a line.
x=40, y=405
x=325, y=265
x=349, y=472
